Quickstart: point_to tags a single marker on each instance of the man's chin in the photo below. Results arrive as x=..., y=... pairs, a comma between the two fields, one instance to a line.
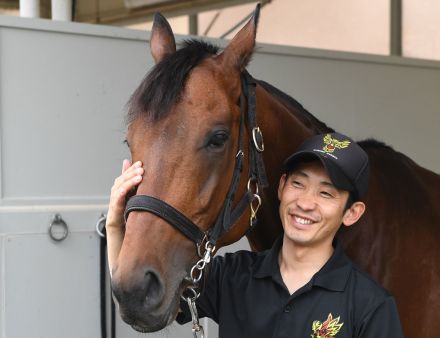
x=298, y=237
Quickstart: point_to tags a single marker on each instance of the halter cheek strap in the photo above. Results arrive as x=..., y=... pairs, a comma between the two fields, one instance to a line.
x=227, y=217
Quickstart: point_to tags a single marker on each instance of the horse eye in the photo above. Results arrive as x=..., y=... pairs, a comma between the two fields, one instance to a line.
x=218, y=140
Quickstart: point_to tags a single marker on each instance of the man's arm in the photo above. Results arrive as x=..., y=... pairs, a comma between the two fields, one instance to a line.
x=382, y=322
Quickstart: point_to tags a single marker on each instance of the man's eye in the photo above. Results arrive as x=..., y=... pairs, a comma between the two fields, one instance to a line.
x=297, y=184
x=326, y=194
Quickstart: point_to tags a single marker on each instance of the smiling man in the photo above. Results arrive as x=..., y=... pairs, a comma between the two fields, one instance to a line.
x=304, y=286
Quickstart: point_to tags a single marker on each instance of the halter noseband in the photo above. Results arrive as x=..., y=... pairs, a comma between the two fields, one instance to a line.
x=227, y=217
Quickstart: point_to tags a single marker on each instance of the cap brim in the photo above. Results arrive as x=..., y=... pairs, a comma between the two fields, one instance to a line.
x=338, y=178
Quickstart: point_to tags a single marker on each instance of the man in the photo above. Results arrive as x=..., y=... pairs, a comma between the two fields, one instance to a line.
x=304, y=286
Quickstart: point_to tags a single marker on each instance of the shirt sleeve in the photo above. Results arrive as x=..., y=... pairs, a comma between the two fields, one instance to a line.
x=382, y=322
x=208, y=302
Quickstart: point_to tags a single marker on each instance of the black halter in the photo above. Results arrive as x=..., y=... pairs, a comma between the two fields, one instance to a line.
x=227, y=217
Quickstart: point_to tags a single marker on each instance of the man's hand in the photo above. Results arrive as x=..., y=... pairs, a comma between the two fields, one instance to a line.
x=115, y=225
x=131, y=176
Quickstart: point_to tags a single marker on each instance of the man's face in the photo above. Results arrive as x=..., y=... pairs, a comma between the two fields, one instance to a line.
x=311, y=208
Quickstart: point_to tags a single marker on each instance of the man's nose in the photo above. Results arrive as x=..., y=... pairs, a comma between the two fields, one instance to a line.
x=306, y=201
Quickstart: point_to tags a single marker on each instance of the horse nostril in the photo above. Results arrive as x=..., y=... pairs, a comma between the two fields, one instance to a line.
x=138, y=296
x=153, y=289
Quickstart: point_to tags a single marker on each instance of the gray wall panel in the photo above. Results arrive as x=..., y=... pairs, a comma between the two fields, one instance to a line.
x=67, y=274
x=2, y=288
x=62, y=112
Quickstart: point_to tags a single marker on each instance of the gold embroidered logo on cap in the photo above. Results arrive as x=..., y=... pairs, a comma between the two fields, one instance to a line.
x=332, y=144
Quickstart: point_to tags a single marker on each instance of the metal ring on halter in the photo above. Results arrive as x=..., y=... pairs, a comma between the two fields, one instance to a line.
x=200, y=265
x=100, y=225
x=194, y=292
x=195, y=279
x=249, y=186
x=58, y=221
x=255, y=131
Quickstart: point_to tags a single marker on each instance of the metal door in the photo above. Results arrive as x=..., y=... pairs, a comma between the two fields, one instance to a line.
x=63, y=90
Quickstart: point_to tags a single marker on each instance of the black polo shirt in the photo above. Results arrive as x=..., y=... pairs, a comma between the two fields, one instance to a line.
x=245, y=294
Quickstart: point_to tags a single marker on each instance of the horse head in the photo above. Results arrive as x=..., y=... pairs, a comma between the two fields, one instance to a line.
x=184, y=124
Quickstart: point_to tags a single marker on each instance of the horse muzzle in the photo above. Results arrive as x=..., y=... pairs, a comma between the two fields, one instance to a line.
x=142, y=302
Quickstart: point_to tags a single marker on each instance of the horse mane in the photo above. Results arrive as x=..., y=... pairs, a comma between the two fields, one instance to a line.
x=306, y=117
x=371, y=143
x=384, y=153
x=162, y=86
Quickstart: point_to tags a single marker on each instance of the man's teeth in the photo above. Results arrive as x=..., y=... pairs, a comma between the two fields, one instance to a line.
x=304, y=221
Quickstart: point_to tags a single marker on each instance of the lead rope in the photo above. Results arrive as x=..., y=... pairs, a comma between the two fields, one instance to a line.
x=195, y=276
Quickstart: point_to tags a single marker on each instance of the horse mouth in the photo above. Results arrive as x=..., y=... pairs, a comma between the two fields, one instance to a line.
x=159, y=325
x=141, y=329
x=153, y=322
x=150, y=323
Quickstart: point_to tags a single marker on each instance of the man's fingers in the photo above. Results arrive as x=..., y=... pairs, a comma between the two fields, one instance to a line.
x=129, y=173
x=131, y=177
x=125, y=165
x=129, y=184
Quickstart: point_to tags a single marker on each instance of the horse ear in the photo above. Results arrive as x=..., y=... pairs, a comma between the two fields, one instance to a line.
x=239, y=51
x=162, y=41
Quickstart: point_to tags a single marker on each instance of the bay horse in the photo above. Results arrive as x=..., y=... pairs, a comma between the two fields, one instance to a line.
x=185, y=125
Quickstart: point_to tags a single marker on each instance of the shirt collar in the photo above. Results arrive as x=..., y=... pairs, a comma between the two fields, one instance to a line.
x=333, y=275
x=335, y=272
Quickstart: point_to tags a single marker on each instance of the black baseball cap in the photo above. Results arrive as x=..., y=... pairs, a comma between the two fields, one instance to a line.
x=345, y=161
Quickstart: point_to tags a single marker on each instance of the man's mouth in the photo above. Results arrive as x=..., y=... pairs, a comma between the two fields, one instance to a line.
x=302, y=220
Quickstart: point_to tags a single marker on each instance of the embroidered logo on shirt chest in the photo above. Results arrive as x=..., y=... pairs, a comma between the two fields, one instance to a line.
x=327, y=329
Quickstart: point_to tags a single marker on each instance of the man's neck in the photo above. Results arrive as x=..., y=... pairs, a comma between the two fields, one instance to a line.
x=298, y=263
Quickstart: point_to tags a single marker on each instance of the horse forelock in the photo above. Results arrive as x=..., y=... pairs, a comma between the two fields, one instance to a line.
x=161, y=88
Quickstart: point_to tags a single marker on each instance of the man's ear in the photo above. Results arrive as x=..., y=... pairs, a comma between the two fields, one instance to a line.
x=353, y=214
x=281, y=185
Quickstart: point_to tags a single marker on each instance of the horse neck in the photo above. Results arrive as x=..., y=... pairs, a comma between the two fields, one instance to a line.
x=284, y=128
